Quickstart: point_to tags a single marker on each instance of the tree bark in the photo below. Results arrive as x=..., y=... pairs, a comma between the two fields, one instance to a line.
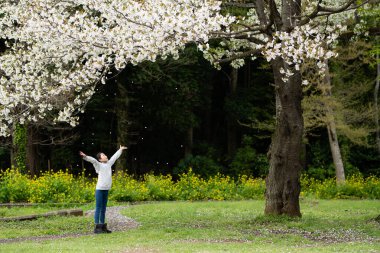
x=285, y=161
x=122, y=122
x=335, y=151
x=285, y=155
x=331, y=130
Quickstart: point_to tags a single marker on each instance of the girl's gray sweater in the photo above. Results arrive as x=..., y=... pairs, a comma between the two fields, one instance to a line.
x=104, y=170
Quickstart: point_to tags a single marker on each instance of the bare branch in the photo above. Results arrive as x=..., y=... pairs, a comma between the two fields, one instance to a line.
x=61, y=140
x=325, y=11
x=240, y=56
x=337, y=10
x=347, y=9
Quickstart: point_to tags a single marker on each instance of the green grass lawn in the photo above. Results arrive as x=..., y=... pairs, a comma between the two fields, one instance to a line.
x=6, y=212
x=236, y=226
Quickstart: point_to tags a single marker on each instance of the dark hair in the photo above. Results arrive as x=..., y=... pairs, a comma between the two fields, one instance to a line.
x=98, y=155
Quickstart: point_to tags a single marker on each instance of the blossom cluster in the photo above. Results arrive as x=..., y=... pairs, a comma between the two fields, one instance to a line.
x=58, y=51
x=303, y=43
x=311, y=36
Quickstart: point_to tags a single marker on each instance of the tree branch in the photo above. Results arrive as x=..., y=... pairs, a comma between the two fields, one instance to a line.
x=325, y=11
x=337, y=10
x=132, y=21
x=260, y=10
x=241, y=5
x=274, y=14
x=240, y=56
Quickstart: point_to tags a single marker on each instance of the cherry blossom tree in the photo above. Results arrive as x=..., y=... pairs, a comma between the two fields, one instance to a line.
x=289, y=34
x=59, y=50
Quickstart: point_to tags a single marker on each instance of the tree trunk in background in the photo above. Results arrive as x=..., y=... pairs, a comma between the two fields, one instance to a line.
x=13, y=151
x=12, y=155
x=122, y=122
x=231, y=124
x=376, y=95
x=31, y=150
x=285, y=161
x=335, y=151
x=285, y=155
x=18, y=150
x=331, y=130
x=189, y=142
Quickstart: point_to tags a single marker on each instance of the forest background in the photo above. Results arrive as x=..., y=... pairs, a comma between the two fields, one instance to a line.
x=177, y=114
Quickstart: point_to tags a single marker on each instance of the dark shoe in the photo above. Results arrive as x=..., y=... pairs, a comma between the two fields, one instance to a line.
x=98, y=229
x=105, y=230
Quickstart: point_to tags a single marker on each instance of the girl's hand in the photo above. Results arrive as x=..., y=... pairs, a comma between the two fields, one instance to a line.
x=123, y=147
x=82, y=154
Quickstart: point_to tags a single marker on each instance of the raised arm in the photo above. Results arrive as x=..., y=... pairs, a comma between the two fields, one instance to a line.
x=116, y=155
x=88, y=158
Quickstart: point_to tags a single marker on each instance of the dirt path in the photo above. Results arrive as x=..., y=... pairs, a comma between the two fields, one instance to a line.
x=116, y=222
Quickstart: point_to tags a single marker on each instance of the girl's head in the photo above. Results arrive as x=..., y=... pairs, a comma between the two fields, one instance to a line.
x=102, y=157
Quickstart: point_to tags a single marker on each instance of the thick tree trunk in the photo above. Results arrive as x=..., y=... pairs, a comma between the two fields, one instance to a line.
x=283, y=181
x=231, y=124
x=285, y=155
x=331, y=130
x=122, y=122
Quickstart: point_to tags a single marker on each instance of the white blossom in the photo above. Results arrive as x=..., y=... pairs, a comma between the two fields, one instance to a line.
x=303, y=43
x=59, y=50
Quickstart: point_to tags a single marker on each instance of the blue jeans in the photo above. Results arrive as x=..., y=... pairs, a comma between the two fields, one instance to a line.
x=101, y=197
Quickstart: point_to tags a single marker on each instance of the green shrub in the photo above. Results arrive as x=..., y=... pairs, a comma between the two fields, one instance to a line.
x=220, y=187
x=371, y=187
x=191, y=187
x=160, y=187
x=52, y=187
x=201, y=165
x=247, y=162
x=125, y=188
x=251, y=188
x=356, y=186
x=82, y=190
x=321, y=173
x=14, y=186
x=63, y=187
